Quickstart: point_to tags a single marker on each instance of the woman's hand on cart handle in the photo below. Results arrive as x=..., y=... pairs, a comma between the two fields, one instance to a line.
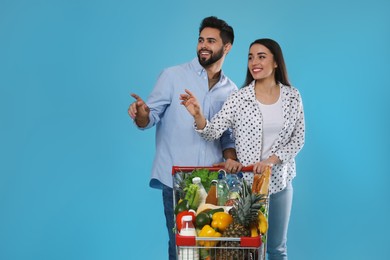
x=260, y=167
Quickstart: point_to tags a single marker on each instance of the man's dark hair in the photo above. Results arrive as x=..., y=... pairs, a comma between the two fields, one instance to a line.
x=226, y=31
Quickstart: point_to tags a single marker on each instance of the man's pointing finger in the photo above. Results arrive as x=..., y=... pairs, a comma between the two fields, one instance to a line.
x=135, y=96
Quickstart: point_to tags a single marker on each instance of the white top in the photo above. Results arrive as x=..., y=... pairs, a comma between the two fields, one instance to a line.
x=272, y=125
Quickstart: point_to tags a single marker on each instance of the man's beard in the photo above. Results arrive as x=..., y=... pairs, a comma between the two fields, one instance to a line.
x=213, y=58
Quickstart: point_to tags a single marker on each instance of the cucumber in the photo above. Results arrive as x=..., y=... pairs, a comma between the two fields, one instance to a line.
x=211, y=212
x=193, y=196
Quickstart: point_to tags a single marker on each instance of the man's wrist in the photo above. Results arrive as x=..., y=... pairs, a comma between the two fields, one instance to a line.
x=230, y=153
x=141, y=122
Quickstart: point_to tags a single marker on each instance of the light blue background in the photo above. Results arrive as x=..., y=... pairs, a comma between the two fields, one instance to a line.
x=74, y=171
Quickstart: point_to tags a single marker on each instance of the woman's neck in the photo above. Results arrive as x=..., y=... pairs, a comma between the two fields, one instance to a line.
x=266, y=86
x=267, y=91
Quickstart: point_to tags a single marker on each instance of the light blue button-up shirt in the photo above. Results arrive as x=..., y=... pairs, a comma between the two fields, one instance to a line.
x=177, y=143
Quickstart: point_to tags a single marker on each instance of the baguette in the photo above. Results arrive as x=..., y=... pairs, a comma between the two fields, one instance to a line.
x=265, y=185
x=261, y=182
x=257, y=183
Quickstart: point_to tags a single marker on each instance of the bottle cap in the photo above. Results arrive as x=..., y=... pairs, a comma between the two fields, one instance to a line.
x=196, y=180
x=220, y=176
x=193, y=211
x=240, y=175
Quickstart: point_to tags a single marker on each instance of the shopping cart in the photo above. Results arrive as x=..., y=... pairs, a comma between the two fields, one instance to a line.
x=217, y=248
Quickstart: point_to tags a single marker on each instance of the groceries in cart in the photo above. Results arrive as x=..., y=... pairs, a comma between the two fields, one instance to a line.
x=222, y=206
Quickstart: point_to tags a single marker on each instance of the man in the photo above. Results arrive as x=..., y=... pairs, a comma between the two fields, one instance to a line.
x=177, y=143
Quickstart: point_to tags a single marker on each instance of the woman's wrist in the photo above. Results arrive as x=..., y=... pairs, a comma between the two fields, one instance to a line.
x=200, y=121
x=273, y=159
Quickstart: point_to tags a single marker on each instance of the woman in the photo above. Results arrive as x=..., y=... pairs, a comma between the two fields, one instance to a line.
x=267, y=119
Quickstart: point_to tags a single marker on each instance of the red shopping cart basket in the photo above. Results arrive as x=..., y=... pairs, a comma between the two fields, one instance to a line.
x=216, y=245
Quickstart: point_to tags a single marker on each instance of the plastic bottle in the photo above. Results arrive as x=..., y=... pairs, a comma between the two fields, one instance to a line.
x=188, y=229
x=222, y=189
x=202, y=191
x=212, y=194
x=232, y=181
x=235, y=185
x=240, y=178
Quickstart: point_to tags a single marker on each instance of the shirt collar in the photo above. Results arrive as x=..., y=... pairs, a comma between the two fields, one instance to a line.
x=200, y=70
x=249, y=91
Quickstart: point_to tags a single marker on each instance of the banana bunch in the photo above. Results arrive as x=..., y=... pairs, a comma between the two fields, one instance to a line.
x=262, y=223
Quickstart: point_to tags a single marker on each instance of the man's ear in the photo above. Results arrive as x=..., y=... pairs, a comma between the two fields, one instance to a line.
x=227, y=48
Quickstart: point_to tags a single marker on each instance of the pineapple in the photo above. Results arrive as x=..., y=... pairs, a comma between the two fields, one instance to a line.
x=245, y=213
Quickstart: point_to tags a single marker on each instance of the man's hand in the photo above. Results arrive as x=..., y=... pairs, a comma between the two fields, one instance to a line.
x=139, y=111
x=230, y=166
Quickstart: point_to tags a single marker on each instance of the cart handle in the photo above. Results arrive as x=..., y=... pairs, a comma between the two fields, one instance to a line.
x=244, y=241
x=191, y=168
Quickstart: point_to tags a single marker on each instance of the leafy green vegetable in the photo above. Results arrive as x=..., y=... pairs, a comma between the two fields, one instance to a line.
x=205, y=175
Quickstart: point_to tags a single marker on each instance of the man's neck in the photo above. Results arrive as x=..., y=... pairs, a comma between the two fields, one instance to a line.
x=214, y=73
x=213, y=81
x=213, y=76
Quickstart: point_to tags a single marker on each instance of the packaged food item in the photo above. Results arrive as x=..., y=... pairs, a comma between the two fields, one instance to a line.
x=212, y=194
x=188, y=229
x=202, y=191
